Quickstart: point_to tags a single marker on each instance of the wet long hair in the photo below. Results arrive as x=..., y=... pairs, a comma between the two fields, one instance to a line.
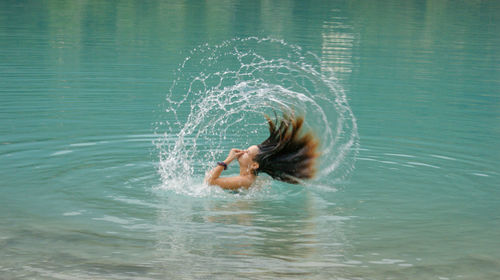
x=288, y=154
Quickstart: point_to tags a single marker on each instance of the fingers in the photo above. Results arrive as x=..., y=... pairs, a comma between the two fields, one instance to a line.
x=236, y=153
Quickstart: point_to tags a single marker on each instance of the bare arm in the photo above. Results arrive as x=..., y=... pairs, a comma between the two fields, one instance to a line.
x=230, y=183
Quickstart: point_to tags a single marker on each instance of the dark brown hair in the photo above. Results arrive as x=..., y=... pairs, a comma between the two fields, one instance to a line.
x=287, y=155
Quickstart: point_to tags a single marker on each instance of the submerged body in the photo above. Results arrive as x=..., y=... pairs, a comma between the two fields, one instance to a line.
x=285, y=155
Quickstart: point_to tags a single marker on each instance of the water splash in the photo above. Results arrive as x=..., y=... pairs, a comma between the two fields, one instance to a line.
x=220, y=94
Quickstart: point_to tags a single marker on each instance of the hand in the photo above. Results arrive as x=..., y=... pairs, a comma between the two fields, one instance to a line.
x=233, y=154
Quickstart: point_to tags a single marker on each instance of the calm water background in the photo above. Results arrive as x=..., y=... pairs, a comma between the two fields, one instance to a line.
x=82, y=98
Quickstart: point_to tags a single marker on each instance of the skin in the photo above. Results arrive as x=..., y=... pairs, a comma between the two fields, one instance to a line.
x=247, y=170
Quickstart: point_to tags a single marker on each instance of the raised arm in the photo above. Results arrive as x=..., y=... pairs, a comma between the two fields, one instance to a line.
x=212, y=177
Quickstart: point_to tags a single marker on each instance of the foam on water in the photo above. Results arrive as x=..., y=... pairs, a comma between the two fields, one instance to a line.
x=219, y=97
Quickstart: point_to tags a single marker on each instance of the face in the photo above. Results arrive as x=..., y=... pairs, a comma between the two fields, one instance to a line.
x=247, y=159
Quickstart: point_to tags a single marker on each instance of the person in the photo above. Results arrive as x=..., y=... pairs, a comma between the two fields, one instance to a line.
x=287, y=155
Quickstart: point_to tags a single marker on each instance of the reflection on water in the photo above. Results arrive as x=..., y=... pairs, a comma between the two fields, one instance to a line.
x=338, y=42
x=82, y=85
x=256, y=237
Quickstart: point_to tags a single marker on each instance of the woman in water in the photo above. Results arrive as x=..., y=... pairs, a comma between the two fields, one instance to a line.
x=285, y=155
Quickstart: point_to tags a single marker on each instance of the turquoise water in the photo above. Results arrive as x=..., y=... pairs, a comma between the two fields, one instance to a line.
x=111, y=113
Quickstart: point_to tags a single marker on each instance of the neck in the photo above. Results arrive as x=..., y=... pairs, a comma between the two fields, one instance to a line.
x=245, y=171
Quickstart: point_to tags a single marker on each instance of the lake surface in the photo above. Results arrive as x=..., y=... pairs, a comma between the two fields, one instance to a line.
x=112, y=112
